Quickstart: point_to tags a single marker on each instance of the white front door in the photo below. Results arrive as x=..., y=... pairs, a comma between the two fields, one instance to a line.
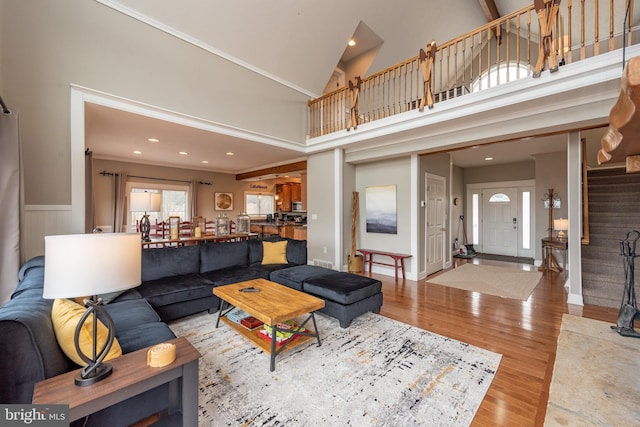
x=500, y=221
x=435, y=222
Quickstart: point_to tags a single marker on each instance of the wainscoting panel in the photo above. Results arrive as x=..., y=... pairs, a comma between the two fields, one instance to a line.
x=40, y=221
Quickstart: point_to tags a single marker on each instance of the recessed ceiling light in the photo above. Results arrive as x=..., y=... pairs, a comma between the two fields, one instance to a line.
x=184, y=153
x=488, y=158
x=153, y=140
x=205, y=161
x=352, y=43
x=229, y=153
x=137, y=152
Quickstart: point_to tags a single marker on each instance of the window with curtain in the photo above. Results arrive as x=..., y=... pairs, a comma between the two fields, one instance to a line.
x=175, y=202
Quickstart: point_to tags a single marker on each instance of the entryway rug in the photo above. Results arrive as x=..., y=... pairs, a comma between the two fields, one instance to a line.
x=595, y=376
x=376, y=372
x=488, y=279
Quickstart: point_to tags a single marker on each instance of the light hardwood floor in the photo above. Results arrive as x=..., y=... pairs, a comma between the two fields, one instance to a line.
x=525, y=333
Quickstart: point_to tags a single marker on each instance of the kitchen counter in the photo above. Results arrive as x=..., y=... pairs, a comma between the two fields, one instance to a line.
x=283, y=229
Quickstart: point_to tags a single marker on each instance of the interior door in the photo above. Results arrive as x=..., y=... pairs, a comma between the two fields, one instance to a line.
x=435, y=222
x=500, y=221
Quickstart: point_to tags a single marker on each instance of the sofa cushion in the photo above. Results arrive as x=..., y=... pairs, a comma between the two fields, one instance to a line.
x=129, y=314
x=297, y=251
x=235, y=274
x=65, y=315
x=36, y=262
x=31, y=276
x=127, y=295
x=341, y=287
x=294, y=276
x=169, y=290
x=144, y=335
x=274, y=252
x=30, y=352
x=219, y=255
x=158, y=263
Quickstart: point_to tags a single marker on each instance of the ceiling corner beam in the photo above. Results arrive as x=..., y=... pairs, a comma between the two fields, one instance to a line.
x=490, y=9
x=291, y=167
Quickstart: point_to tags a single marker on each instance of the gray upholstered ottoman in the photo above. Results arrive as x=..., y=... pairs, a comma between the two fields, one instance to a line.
x=346, y=295
x=294, y=276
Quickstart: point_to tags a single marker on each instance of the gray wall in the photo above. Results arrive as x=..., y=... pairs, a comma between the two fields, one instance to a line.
x=551, y=172
x=501, y=172
x=389, y=172
x=321, y=222
x=49, y=45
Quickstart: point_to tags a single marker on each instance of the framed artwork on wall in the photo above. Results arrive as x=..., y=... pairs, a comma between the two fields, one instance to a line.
x=381, y=209
x=223, y=201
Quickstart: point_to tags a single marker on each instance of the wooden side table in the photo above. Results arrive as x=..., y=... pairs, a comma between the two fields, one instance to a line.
x=131, y=376
x=549, y=262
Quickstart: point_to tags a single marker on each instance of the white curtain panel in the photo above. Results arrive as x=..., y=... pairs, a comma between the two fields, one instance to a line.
x=10, y=203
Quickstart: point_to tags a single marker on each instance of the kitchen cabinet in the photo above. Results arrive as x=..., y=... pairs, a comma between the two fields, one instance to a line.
x=300, y=233
x=287, y=193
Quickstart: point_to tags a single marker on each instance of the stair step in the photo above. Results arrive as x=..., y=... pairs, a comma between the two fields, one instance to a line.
x=613, y=184
x=617, y=231
x=631, y=206
x=598, y=290
x=614, y=211
x=619, y=175
x=605, y=268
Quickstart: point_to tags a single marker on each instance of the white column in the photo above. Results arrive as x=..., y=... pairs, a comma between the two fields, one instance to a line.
x=415, y=216
x=574, y=189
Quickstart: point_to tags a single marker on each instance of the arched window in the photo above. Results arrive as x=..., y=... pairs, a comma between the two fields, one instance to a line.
x=499, y=198
x=499, y=74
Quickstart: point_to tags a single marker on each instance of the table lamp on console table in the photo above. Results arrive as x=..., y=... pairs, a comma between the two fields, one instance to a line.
x=145, y=202
x=561, y=225
x=89, y=265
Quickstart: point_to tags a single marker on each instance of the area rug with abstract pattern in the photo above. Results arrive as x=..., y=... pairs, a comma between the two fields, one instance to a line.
x=376, y=372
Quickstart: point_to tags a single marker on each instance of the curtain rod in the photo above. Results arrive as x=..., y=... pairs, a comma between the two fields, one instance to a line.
x=4, y=107
x=105, y=173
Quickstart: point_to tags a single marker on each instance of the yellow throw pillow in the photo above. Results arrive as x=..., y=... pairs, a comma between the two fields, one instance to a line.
x=274, y=252
x=65, y=316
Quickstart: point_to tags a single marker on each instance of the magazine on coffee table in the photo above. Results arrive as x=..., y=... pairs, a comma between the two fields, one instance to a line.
x=243, y=318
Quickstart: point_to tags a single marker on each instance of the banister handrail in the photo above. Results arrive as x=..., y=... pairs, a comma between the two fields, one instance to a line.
x=477, y=55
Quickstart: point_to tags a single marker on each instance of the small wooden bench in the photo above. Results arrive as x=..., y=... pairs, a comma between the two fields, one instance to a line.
x=398, y=260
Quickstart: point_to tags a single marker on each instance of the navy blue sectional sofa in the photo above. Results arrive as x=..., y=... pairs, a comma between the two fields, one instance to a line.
x=176, y=282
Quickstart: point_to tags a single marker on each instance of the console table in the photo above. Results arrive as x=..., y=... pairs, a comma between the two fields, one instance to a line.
x=398, y=260
x=549, y=262
x=131, y=376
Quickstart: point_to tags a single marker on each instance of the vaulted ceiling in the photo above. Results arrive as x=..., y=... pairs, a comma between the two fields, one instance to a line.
x=301, y=42
x=298, y=43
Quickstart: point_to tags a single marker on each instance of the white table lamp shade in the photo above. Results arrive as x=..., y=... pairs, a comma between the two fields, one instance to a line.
x=145, y=202
x=561, y=224
x=84, y=265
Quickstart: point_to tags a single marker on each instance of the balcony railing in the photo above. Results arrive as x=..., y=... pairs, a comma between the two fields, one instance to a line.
x=504, y=50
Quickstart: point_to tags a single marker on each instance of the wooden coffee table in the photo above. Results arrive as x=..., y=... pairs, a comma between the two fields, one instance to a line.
x=272, y=304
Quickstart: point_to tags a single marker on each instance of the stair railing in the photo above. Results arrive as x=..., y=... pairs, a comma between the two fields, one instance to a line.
x=493, y=54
